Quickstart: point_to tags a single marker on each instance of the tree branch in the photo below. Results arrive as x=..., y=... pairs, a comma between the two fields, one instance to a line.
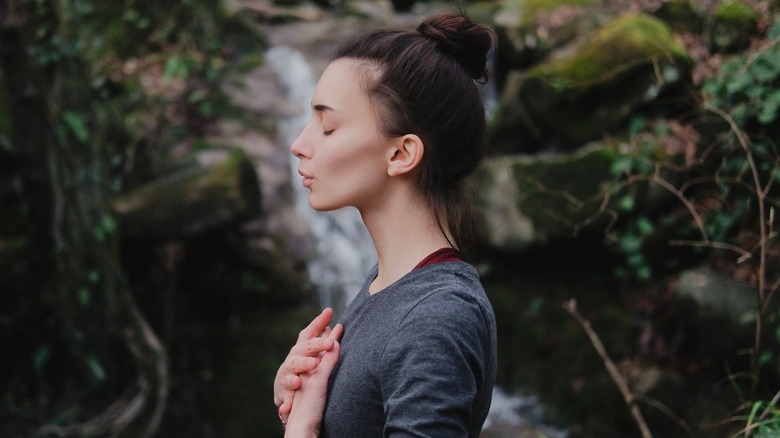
x=628, y=396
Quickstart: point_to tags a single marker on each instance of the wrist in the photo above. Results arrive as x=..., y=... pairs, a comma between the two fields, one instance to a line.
x=297, y=430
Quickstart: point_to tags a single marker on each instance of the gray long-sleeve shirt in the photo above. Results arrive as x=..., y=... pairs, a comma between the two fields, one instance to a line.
x=418, y=359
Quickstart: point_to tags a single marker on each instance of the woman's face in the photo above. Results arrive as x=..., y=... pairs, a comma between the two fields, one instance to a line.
x=343, y=154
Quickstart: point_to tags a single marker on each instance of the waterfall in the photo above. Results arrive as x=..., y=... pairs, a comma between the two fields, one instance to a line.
x=344, y=252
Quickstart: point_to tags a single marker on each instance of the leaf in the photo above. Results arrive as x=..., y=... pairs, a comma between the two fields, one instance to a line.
x=621, y=165
x=768, y=112
x=765, y=358
x=77, y=125
x=97, y=369
x=645, y=226
x=763, y=70
x=84, y=296
x=739, y=83
x=40, y=357
x=93, y=276
x=630, y=243
x=178, y=66
x=626, y=203
x=636, y=125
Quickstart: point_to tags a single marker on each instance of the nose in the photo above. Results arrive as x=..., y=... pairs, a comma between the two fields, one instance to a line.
x=300, y=147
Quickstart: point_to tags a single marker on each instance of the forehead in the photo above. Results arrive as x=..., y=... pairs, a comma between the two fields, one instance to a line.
x=341, y=84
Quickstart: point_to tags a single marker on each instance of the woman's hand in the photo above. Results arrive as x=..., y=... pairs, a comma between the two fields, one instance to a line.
x=305, y=419
x=304, y=356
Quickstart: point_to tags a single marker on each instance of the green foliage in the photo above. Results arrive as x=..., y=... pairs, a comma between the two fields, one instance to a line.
x=763, y=421
x=747, y=85
x=744, y=100
x=77, y=125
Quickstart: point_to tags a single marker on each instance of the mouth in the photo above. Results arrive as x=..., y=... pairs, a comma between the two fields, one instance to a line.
x=307, y=180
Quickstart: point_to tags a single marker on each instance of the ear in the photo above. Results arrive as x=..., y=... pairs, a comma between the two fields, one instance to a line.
x=405, y=154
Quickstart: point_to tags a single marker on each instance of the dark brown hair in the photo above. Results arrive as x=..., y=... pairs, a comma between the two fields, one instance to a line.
x=423, y=83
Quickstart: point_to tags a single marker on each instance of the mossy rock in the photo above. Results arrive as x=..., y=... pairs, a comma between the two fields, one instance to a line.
x=527, y=201
x=574, y=99
x=523, y=36
x=682, y=16
x=731, y=27
x=192, y=200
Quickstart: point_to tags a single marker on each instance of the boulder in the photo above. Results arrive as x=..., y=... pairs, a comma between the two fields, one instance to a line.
x=528, y=201
x=219, y=189
x=682, y=16
x=572, y=99
x=731, y=26
x=527, y=31
x=715, y=294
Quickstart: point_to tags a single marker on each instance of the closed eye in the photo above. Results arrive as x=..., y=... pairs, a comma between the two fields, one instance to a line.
x=327, y=133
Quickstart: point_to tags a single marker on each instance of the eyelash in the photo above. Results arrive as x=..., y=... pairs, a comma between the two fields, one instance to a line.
x=327, y=133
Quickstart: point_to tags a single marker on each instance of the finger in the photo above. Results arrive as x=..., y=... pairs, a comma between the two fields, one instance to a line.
x=336, y=333
x=310, y=348
x=329, y=359
x=284, y=410
x=317, y=325
x=291, y=383
x=298, y=365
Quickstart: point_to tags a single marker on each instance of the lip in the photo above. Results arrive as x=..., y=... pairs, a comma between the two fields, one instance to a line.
x=307, y=180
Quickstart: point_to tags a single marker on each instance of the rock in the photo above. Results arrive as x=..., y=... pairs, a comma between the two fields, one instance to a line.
x=213, y=193
x=731, y=27
x=528, y=31
x=572, y=99
x=532, y=200
x=719, y=295
x=525, y=200
x=681, y=16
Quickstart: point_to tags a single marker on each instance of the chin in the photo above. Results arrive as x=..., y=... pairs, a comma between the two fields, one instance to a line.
x=319, y=206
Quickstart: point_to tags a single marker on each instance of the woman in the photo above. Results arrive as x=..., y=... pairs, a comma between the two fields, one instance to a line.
x=398, y=124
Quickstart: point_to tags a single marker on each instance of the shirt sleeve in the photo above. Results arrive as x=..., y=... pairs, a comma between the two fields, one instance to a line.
x=433, y=368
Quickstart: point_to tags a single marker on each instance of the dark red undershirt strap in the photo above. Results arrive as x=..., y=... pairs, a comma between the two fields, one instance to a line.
x=439, y=256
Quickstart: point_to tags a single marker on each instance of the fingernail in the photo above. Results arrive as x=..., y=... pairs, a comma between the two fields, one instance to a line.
x=282, y=419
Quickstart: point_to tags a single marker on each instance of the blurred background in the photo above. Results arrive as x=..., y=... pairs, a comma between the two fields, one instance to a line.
x=157, y=259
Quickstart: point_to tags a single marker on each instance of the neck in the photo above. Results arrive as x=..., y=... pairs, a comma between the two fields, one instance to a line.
x=404, y=232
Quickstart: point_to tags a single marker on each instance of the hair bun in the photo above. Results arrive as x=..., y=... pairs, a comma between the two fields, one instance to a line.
x=466, y=41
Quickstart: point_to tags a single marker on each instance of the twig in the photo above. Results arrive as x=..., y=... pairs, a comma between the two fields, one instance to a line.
x=743, y=255
x=658, y=179
x=764, y=225
x=628, y=396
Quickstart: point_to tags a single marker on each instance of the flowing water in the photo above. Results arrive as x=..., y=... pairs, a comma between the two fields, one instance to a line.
x=344, y=251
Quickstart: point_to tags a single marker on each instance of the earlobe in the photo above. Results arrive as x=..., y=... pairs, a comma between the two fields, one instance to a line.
x=406, y=154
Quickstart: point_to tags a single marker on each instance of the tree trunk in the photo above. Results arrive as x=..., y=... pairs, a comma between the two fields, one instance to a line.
x=90, y=309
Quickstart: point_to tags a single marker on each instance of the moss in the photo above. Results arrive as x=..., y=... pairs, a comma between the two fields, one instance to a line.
x=562, y=194
x=737, y=14
x=620, y=45
x=529, y=10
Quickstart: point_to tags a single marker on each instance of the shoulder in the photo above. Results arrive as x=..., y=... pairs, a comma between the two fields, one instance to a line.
x=450, y=288
x=450, y=300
